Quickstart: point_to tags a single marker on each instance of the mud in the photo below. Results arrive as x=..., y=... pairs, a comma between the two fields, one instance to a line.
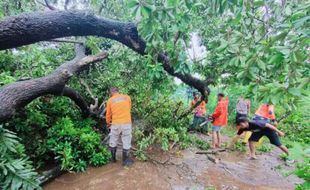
x=184, y=170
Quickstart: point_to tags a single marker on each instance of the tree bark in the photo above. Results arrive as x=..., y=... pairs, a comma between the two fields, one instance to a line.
x=34, y=27
x=19, y=94
x=78, y=100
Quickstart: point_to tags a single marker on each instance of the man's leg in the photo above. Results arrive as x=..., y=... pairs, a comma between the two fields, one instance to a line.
x=252, y=149
x=218, y=134
x=194, y=124
x=214, y=137
x=126, y=139
x=254, y=138
x=284, y=149
x=114, y=135
x=275, y=140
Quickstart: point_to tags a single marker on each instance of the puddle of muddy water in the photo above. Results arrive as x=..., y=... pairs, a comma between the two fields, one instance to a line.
x=142, y=175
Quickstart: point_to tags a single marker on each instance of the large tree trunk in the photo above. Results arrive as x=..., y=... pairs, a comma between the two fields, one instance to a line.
x=34, y=27
x=30, y=28
x=19, y=94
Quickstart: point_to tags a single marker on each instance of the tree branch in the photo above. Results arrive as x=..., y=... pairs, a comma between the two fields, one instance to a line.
x=78, y=100
x=19, y=94
x=34, y=27
x=65, y=41
x=48, y=5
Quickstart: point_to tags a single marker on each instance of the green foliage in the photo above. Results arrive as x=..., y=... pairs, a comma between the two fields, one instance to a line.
x=201, y=144
x=162, y=125
x=76, y=145
x=303, y=171
x=249, y=52
x=264, y=148
x=240, y=147
x=15, y=168
x=301, y=154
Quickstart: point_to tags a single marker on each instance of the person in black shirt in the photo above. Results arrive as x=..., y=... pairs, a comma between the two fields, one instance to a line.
x=259, y=128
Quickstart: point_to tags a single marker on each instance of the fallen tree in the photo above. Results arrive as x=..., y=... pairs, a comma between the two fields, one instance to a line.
x=30, y=28
x=19, y=94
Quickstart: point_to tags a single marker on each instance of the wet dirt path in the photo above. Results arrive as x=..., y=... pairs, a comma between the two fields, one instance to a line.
x=185, y=170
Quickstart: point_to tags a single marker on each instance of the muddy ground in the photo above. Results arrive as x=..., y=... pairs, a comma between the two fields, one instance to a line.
x=184, y=170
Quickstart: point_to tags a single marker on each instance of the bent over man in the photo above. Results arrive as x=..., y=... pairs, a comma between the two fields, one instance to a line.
x=259, y=129
x=118, y=117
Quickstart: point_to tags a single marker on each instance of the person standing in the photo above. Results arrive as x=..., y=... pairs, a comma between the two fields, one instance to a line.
x=199, y=112
x=242, y=108
x=242, y=111
x=118, y=118
x=220, y=117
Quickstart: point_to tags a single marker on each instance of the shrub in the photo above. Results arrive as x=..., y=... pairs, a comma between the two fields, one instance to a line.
x=77, y=145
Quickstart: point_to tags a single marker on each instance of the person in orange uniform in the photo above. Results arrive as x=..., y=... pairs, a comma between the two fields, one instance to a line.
x=220, y=117
x=266, y=112
x=118, y=118
x=199, y=112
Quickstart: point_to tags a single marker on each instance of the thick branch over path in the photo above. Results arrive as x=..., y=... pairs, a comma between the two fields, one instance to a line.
x=19, y=94
x=34, y=27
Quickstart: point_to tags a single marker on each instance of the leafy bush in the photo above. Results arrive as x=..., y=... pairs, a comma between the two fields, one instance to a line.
x=296, y=127
x=303, y=171
x=16, y=171
x=201, y=144
x=161, y=124
x=77, y=145
x=300, y=153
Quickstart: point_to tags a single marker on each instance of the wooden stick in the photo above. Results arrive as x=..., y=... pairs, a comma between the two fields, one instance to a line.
x=211, y=151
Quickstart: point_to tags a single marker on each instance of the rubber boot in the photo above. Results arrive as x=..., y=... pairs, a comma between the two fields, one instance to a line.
x=126, y=160
x=113, y=153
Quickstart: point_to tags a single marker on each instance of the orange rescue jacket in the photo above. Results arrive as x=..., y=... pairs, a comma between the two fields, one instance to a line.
x=266, y=111
x=220, y=114
x=118, y=109
x=200, y=110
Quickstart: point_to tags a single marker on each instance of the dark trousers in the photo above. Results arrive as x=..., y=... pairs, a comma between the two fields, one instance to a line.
x=196, y=124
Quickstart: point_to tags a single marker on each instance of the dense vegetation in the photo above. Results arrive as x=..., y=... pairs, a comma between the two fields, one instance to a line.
x=258, y=49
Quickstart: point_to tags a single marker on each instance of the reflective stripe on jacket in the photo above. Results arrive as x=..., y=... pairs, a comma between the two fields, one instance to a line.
x=118, y=109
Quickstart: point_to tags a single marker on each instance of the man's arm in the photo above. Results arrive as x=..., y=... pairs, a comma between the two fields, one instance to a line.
x=233, y=141
x=274, y=129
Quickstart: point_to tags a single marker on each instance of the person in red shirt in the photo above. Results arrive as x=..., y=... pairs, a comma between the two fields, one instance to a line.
x=220, y=117
x=199, y=113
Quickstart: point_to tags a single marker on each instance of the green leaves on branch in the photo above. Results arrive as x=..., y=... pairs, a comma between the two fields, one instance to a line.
x=76, y=145
x=16, y=171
